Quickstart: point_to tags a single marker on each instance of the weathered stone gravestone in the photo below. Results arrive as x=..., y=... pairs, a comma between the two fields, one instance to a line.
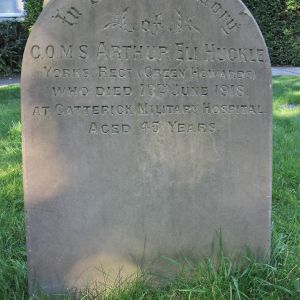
x=147, y=134
x=45, y=2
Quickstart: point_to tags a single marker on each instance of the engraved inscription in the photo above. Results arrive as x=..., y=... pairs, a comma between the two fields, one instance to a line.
x=230, y=90
x=110, y=129
x=136, y=115
x=153, y=25
x=202, y=52
x=41, y=111
x=173, y=89
x=55, y=72
x=120, y=21
x=228, y=23
x=119, y=91
x=72, y=15
x=149, y=72
x=148, y=109
x=69, y=17
x=180, y=127
x=70, y=91
x=194, y=76
x=184, y=23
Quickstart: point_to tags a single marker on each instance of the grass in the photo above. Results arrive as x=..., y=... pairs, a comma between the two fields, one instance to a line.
x=278, y=279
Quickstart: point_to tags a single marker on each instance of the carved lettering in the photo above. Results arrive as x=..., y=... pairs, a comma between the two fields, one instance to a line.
x=230, y=90
x=176, y=90
x=179, y=51
x=108, y=129
x=41, y=111
x=120, y=21
x=218, y=54
x=35, y=52
x=148, y=109
x=113, y=91
x=228, y=23
x=153, y=25
x=56, y=72
x=106, y=72
x=132, y=52
x=70, y=17
x=70, y=91
x=185, y=23
x=180, y=127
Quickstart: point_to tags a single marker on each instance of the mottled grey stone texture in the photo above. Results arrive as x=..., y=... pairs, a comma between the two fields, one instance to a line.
x=146, y=134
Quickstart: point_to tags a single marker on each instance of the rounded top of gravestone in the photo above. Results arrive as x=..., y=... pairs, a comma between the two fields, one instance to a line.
x=229, y=19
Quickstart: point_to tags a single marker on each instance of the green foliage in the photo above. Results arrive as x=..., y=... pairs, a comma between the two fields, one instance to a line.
x=12, y=42
x=33, y=8
x=293, y=5
x=279, y=21
x=13, y=36
x=276, y=279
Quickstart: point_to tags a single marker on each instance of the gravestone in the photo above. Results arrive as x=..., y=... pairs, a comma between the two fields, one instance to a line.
x=146, y=136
